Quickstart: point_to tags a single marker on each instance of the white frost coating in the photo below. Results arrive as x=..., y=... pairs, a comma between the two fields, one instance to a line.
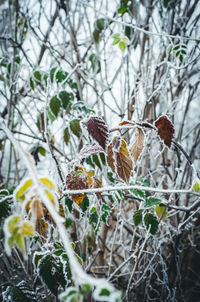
x=7, y=234
x=78, y=274
x=126, y=187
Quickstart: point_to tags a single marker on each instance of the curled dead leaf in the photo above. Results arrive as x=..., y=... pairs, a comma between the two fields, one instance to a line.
x=165, y=130
x=137, y=146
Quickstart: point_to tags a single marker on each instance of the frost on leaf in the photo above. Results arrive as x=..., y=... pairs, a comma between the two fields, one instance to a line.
x=137, y=146
x=161, y=212
x=90, y=150
x=80, y=180
x=165, y=130
x=98, y=130
x=15, y=230
x=110, y=157
x=27, y=193
x=118, y=157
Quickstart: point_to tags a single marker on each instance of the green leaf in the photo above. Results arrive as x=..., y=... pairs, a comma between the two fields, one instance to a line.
x=40, y=121
x=5, y=208
x=70, y=295
x=82, y=107
x=196, y=186
x=51, y=116
x=95, y=159
x=100, y=24
x=170, y=49
x=68, y=222
x=42, y=151
x=12, y=222
x=68, y=203
x=52, y=74
x=115, y=36
x=128, y=31
x=137, y=192
x=151, y=201
x=105, y=210
x=176, y=47
x=19, y=293
x=110, y=177
x=85, y=204
x=116, y=41
x=181, y=58
x=93, y=216
x=75, y=127
x=151, y=220
x=20, y=242
x=50, y=270
x=104, y=292
x=96, y=36
x=90, y=162
x=137, y=217
x=37, y=76
x=45, y=78
x=55, y=105
x=95, y=63
x=66, y=135
x=183, y=52
x=122, y=46
x=66, y=98
x=61, y=76
x=103, y=158
x=122, y=10
x=85, y=288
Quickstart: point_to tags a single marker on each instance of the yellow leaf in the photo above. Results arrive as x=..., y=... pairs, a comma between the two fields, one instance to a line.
x=161, y=211
x=27, y=229
x=13, y=222
x=196, y=186
x=78, y=198
x=90, y=173
x=21, y=192
x=47, y=183
x=20, y=242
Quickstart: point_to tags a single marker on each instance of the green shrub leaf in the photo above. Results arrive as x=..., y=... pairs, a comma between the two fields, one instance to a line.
x=152, y=221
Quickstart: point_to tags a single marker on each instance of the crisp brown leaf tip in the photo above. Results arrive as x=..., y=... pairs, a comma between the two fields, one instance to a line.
x=137, y=146
x=98, y=130
x=165, y=130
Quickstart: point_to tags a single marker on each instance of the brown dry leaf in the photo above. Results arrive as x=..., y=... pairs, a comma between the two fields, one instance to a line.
x=127, y=123
x=110, y=157
x=137, y=145
x=98, y=130
x=79, y=180
x=124, y=162
x=41, y=227
x=165, y=130
x=118, y=156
